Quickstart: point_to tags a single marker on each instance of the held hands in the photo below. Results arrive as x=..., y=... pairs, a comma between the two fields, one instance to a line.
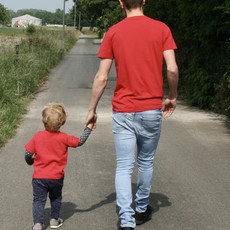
x=91, y=120
x=168, y=107
x=90, y=126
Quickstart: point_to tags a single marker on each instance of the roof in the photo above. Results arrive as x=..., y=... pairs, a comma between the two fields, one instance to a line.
x=26, y=17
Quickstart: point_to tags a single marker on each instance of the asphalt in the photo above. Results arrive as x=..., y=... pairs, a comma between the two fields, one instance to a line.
x=191, y=189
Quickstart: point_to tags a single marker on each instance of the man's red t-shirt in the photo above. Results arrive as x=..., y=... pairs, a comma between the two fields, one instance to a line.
x=137, y=45
x=51, y=153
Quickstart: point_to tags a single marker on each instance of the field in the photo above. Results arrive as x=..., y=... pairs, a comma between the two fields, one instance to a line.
x=9, y=38
x=8, y=43
x=25, y=61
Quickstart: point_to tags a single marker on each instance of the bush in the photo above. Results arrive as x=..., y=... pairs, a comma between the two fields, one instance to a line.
x=31, y=29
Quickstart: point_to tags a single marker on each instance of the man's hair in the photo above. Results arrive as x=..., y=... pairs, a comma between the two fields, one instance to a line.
x=132, y=4
x=53, y=116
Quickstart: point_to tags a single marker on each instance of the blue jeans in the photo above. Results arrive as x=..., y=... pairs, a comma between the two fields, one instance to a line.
x=41, y=187
x=139, y=131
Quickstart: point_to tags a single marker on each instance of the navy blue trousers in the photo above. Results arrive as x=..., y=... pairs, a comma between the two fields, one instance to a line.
x=41, y=188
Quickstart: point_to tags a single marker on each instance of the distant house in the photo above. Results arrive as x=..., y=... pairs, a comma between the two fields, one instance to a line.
x=25, y=20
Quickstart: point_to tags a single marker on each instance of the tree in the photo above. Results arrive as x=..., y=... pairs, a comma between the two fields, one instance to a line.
x=98, y=13
x=201, y=30
x=93, y=10
x=4, y=15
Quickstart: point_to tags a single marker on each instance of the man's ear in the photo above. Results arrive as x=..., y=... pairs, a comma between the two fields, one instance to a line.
x=121, y=3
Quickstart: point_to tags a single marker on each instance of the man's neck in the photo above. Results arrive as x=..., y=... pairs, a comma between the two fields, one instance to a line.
x=134, y=12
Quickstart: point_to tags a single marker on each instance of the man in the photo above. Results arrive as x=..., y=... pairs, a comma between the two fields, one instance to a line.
x=138, y=45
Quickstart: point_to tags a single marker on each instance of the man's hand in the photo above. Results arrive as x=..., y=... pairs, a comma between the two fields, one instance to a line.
x=91, y=118
x=168, y=107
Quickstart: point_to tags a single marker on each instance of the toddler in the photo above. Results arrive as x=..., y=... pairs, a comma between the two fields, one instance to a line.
x=48, y=152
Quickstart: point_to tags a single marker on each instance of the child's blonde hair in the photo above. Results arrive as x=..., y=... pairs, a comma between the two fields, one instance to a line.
x=54, y=116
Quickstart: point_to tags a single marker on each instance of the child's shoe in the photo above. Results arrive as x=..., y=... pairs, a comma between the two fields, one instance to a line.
x=37, y=226
x=56, y=223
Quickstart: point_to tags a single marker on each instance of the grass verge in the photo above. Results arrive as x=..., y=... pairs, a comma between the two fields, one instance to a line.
x=23, y=67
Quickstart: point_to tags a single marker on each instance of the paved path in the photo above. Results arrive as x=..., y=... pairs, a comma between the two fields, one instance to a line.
x=192, y=176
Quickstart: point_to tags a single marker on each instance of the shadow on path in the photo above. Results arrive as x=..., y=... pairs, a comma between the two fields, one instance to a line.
x=157, y=201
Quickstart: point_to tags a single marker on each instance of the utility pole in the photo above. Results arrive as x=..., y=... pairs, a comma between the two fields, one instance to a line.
x=79, y=21
x=75, y=10
x=63, y=20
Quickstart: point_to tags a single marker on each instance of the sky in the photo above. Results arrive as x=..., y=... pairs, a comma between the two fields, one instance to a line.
x=48, y=5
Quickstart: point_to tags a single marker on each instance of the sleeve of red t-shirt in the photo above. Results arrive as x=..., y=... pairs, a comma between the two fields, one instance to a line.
x=72, y=141
x=106, y=50
x=30, y=146
x=169, y=43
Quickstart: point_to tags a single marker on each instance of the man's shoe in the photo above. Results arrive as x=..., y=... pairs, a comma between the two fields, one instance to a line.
x=126, y=228
x=143, y=217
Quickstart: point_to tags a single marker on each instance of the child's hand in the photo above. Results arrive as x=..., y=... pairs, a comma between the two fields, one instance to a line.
x=90, y=126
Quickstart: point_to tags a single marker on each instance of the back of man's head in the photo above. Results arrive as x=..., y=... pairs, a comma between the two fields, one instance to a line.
x=132, y=4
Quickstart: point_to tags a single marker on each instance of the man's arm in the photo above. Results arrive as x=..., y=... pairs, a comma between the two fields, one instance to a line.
x=169, y=104
x=99, y=84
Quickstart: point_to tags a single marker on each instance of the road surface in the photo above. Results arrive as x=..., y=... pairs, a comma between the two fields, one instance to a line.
x=192, y=178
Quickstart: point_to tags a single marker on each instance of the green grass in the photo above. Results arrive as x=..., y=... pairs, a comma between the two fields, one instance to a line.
x=8, y=31
x=21, y=74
